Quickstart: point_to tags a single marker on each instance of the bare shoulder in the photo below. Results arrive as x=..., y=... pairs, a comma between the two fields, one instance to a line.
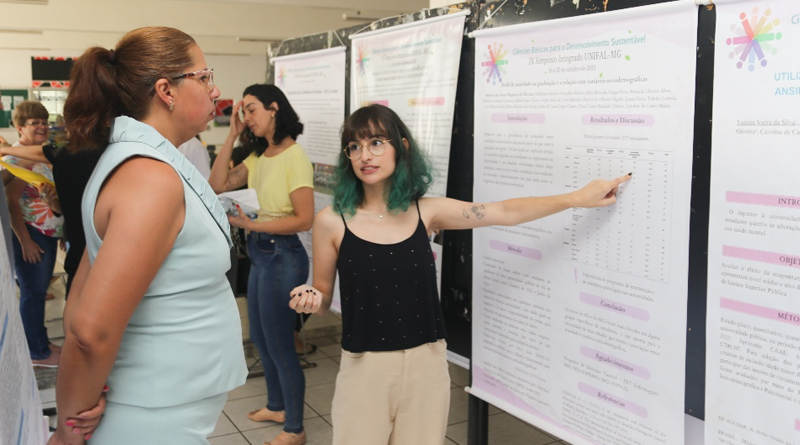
x=142, y=195
x=328, y=227
x=145, y=180
x=328, y=219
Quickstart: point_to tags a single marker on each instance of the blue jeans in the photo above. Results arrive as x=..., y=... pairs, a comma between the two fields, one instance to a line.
x=278, y=264
x=33, y=280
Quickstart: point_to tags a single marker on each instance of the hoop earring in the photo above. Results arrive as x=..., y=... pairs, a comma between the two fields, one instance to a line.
x=171, y=105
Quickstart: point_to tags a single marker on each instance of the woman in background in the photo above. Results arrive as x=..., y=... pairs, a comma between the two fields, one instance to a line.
x=71, y=173
x=393, y=385
x=37, y=229
x=281, y=174
x=150, y=310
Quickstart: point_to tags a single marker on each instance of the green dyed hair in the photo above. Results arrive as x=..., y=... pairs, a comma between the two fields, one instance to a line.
x=412, y=175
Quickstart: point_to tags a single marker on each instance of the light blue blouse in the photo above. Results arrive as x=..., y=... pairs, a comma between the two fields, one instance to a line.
x=184, y=340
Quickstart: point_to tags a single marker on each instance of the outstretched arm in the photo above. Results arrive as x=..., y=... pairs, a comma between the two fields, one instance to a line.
x=449, y=213
x=29, y=152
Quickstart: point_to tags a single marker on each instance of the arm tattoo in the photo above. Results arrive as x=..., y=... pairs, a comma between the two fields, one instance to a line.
x=478, y=210
x=236, y=177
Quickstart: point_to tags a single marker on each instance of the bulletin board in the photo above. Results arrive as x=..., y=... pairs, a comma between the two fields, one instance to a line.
x=9, y=99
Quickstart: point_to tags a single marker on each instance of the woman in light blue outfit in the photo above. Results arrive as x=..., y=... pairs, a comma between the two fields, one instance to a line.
x=150, y=311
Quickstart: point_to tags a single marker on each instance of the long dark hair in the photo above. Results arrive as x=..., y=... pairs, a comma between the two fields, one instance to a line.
x=107, y=83
x=286, y=121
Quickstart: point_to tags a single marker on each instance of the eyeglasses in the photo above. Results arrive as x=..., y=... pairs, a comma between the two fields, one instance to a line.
x=375, y=146
x=206, y=76
x=37, y=124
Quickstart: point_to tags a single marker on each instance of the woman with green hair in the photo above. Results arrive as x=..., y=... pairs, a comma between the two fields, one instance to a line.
x=393, y=385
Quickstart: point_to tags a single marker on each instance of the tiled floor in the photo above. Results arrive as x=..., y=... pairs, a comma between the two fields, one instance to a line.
x=233, y=427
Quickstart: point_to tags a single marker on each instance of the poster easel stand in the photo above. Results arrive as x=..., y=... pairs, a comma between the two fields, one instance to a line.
x=478, y=423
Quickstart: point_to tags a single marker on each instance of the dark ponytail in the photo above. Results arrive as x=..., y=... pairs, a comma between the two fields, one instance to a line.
x=93, y=100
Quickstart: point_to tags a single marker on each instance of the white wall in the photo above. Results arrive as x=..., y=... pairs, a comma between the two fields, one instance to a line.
x=15, y=74
x=232, y=74
x=215, y=25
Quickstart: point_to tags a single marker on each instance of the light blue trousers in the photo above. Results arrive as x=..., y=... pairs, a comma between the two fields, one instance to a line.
x=188, y=424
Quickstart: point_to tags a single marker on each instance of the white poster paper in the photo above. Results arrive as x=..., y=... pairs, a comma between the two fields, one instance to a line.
x=753, y=327
x=20, y=405
x=321, y=200
x=314, y=84
x=413, y=69
x=579, y=323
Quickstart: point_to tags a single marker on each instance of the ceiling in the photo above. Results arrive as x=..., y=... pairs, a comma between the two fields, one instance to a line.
x=219, y=26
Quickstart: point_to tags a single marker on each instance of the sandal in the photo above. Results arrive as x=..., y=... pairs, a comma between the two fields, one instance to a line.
x=265, y=415
x=310, y=349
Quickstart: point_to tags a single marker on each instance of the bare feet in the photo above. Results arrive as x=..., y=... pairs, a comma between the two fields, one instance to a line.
x=49, y=362
x=265, y=415
x=54, y=347
x=285, y=438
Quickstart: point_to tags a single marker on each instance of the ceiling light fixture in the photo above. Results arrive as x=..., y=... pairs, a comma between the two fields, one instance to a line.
x=22, y=31
x=256, y=39
x=27, y=2
x=359, y=17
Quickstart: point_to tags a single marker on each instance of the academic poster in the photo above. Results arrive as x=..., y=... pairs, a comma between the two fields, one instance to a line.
x=413, y=69
x=753, y=327
x=21, y=421
x=580, y=317
x=314, y=83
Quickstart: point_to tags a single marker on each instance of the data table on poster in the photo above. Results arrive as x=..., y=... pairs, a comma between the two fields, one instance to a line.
x=633, y=237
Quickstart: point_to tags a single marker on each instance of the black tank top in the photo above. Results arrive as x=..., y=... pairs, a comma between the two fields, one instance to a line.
x=389, y=297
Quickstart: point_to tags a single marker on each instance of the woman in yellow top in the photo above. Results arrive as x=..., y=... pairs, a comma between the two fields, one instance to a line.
x=281, y=174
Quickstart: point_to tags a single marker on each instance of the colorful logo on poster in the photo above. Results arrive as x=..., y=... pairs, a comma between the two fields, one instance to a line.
x=282, y=76
x=493, y=65
x=755, y=39
x=361, y=60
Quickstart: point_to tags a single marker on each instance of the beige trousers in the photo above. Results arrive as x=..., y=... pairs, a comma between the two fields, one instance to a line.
x=392, y=398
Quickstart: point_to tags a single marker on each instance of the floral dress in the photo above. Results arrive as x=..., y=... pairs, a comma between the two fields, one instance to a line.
x=35, y=210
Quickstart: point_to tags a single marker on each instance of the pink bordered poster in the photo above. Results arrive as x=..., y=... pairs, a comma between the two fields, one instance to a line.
x=579, y=318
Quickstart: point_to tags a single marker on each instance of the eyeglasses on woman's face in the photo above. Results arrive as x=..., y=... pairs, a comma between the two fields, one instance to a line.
x=206, y=76
x=376, y=146
x=36, y=123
